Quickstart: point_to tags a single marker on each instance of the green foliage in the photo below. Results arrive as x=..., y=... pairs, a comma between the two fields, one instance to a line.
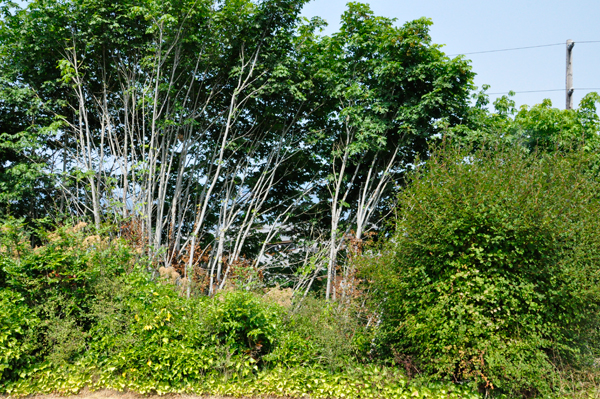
x=492, y=275
x=360, y=382
x=100, y=308
x=101, y=319
x=26, y=137
x=245, y=322
x=58, y=280
x=14, y=243
x=17, y=327
x=318, y=333
x=540, y=127
x=377, y=87
x=490, y=279
x=160, y=337
x=148, y=331
x=63, y=270
x=384, y=82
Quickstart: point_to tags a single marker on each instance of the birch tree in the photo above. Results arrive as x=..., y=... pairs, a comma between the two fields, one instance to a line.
x=386, y=86
x=161, y=105
x=221, y=127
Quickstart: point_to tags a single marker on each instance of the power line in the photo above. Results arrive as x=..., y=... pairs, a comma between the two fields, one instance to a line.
x=522, y=48
x=527, y=91
x=542, y=91
x=509, y=49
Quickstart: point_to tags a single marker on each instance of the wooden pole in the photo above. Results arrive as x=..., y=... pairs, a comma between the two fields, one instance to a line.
x=569, y=88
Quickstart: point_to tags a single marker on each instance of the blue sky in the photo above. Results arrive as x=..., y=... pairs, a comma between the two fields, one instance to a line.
x=465, y=26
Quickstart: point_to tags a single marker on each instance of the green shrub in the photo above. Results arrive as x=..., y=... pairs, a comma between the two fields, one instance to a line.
x=147, y=331
x=17, y=326
x=492, y=275
x=98, y=308
x=66, y=265
x=104, y=320
x=318, y=333
x=245, y=321
x=59, y=280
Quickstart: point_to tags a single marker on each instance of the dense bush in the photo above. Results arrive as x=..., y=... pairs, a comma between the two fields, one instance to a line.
x=59, y=279
x=101, y=311
x=492, y=276
x=66, y=265
x=148, y=332
x=17, y=329
x=245, y=322
x=319, y=334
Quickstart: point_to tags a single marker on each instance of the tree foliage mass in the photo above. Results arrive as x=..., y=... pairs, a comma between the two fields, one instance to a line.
x=219, y=127
x=215, y=197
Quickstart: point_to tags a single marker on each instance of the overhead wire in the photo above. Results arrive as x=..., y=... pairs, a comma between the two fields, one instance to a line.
x=507, y=49
x=522, y=48
x=541, y=91
x=525, y=48
x=526, y=91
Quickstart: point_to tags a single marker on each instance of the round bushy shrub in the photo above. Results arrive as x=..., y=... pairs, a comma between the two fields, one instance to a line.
x=244, y=321
x=492, y=275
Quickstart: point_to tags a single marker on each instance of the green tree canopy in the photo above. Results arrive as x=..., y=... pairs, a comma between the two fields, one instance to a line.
x=538, y=127
x=207, y=121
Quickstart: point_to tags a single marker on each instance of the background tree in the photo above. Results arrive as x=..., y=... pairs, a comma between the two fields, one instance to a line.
x=167, y=112
x=219, y=126
x=26, y=184
x=383, y=87
x=538, y=127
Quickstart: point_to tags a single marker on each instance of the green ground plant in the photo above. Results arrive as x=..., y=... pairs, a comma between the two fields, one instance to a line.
x=84, y=310
x=492, y=276
x=319, y=334
x=17, y=334
x=58, y=280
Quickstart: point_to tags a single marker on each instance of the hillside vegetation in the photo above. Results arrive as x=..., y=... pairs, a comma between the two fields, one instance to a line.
x=215, y=198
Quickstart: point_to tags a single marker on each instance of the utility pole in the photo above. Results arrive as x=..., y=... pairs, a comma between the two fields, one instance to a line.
x=570, y=44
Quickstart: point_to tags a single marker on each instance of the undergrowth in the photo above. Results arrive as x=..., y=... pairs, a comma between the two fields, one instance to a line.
x=81, y=309
x=483, y=292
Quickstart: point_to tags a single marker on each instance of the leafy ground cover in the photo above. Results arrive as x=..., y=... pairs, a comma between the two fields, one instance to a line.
x=369, y=382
